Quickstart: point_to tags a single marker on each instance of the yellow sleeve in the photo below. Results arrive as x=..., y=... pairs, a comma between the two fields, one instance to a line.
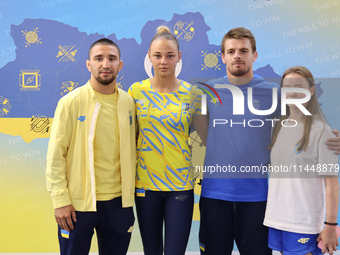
x=196, y=100
x=135, y=115
x=130, y=91
x=56, y=156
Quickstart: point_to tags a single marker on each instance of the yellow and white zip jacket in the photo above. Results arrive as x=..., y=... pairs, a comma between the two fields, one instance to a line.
x=70, y=157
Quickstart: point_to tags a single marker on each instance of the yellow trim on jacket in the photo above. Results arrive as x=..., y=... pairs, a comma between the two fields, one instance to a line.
x=70, y=161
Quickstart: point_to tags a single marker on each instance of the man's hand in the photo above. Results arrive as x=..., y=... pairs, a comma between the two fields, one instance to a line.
x=65, y=216
x=334, y=143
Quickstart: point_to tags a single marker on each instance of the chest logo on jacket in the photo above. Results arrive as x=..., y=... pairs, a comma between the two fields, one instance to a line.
x=82, y=118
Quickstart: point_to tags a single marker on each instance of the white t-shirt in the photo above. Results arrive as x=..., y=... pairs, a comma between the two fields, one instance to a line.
x=296, y=199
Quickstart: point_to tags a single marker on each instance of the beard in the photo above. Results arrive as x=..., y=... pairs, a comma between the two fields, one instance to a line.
x=106, y=81
x=239, y=72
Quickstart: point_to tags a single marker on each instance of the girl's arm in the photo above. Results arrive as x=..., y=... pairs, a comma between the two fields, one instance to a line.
x=334, y=143
x=328, y=234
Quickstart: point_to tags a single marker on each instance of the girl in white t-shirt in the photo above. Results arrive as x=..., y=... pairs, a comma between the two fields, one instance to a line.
x=303, y=183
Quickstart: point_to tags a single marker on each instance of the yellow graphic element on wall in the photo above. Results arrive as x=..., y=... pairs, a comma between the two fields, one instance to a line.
x=184, y=30
x=5, y=106
x=31, y=37
x=27, y=128
x=68, y=86
x=211, y=60
x=66, y=53
x=30, y=80
x=119, y=84
x=40, y=124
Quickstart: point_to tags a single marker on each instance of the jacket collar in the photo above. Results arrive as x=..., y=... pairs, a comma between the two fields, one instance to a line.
x=91, y=91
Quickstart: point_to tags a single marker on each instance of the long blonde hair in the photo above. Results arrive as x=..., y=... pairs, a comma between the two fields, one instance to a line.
x=312, y=106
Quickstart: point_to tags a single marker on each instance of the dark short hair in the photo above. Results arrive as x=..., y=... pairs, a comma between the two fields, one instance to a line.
x=104, y=41
x=239, y=33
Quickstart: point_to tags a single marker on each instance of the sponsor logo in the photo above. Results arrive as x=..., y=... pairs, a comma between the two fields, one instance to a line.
x=82, y=118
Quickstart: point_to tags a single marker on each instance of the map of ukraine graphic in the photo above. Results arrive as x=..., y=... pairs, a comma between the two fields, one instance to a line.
x=50, y=62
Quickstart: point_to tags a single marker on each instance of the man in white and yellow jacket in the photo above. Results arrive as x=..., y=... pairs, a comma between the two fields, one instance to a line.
x=91, y=159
